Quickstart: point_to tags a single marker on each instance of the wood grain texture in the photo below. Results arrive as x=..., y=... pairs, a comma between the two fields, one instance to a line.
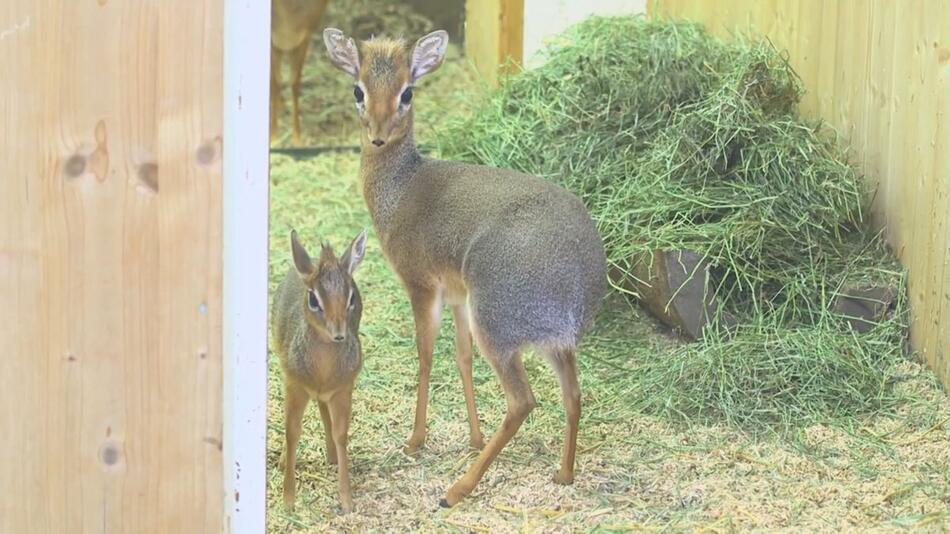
x=511, y=39
x=879, y=71
x=110, y=266
x=494, y=35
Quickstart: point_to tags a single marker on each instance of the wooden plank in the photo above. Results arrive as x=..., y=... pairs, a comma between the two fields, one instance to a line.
x=481, y=36
x=807, y=51
x=110, y=255
x=935, y=206
x=852, y=87
x=881, y=87
x=879, y=71
x=21, y=287
x=825, y=56
x=494, y=35
x=899, y=128
x=511, y=35
x=914, y=198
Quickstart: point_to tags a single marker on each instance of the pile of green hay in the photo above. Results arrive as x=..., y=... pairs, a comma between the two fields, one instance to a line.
x=677, y=140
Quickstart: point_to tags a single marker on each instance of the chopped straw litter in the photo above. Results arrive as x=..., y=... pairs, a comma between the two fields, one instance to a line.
x=677, y=140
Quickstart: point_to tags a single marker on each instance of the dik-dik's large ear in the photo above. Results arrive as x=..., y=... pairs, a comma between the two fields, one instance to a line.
x=428, y=53
x=302, y=261
x=354, y=253
x=342, y=51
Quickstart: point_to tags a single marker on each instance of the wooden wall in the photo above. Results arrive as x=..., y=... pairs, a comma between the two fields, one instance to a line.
x=879, y=71
x=110, y=266
x=493, y=34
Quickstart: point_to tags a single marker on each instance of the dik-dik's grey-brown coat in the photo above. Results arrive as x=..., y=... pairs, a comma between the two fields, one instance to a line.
x=315, y=326
x=517, y=258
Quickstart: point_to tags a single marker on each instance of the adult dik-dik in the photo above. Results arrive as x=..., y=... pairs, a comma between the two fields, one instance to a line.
x=292, y=23
x=517, y=258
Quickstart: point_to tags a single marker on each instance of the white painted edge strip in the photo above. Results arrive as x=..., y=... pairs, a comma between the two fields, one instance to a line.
x=246, y=198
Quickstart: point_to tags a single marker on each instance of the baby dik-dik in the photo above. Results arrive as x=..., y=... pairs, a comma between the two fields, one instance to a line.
x=316, y=321
x=517, y=258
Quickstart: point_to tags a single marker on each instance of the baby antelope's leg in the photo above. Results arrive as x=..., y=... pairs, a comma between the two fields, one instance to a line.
x=426, y=310
x=463, y=357
x=328, y=432
x=340, y=406
x=514, y=380
x=295, y=403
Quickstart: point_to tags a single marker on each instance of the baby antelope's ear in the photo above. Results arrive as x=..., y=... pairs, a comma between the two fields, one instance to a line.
x=342, y=51
x=302, y=261
x=428, y=53
x=354, y=253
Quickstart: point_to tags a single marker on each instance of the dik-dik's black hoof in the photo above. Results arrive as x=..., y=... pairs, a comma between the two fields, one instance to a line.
x=444, y=503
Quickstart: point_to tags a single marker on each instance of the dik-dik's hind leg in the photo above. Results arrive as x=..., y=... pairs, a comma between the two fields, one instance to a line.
x=328, y=432
x=276, y=98
x=297, y=58
x=426, y=311
x=565, y=365
x=295, y=403
x=463, y=357
x=514, y=380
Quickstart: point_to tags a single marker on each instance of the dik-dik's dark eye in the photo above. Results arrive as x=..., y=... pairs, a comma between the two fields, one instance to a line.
x=352, y=303
x=358, y=94
x=313, y=301
x=406, y=96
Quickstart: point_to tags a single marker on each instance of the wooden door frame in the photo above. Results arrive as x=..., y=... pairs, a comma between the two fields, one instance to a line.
x=245, y=205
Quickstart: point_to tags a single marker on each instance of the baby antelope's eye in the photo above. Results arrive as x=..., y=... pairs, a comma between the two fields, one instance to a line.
x=358, y=94
x=406, y=96
x=313, y=301
x=352, y=299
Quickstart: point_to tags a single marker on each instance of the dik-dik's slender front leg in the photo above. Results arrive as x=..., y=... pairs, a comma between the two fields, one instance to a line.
x=295, y=403
x=340, y=406
x=463, y=357
x=426, y=311
x=328, y=432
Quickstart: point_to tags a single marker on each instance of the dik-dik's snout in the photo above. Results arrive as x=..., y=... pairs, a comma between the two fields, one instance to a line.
x=337, y=332
x=378, y=128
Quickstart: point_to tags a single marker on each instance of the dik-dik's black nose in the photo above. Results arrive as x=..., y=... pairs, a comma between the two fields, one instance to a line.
x=338, y=338
x=379, y=142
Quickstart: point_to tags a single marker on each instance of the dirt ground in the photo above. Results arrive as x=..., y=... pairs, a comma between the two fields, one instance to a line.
x=635, y=472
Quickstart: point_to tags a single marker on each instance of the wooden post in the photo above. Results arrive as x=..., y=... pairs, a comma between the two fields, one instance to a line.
x=111, y=266
x=494, y=36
